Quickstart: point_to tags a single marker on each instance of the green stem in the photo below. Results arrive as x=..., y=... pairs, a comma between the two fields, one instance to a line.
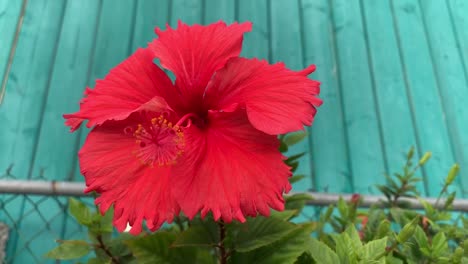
x=179, y=223
x=444, y=190
x=106, y=250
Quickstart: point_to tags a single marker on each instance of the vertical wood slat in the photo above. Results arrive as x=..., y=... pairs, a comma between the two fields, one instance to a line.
x=396, y=116
x=361, y=117
x=188, y=11
x=69, y=78
x=347, y=85
x=27, y=90
x=113, y=44
x=10, y=22
x=450, y=76
x=215, y=10
x=423, y=91
x=329, y=146
x=286, y=46
x=149, y=15
x=459, y=21
x=255, y=43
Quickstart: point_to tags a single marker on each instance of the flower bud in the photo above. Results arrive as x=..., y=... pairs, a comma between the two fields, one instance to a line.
x=383, y=229
x=452, y=174
x=410, y=153
x=407, y=231
x=425, y=158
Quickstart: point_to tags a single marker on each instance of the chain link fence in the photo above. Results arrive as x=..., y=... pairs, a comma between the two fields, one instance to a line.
x=34, y=214
x=30, y=224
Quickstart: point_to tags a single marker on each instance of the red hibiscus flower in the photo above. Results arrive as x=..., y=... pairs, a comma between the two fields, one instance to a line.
x=206, y=143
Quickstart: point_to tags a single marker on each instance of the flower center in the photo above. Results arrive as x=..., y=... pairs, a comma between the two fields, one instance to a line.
x=158, y=142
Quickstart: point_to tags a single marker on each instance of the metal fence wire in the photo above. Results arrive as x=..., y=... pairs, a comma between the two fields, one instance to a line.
x=30, y=224
x=34, y=214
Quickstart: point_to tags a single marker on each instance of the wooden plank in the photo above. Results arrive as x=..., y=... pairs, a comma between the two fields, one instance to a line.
x=450, y=77
x=256, y=42
x=112, y=46
x=149, y=14
x=286, y=46
x=21, y=112
x=188, y=11
x=69, y=78
x=362, y=120
x=329, y=146
x=283, y=27
x=423, y=91
x=458, y=10
x=396, y=115
x=215, y=10
x=10, y=12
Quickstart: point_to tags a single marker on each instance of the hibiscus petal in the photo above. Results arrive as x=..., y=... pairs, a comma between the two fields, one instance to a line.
x=230, y=169
x=194, y=53
x=138, y=192
x=127, y=88
x=277, y=99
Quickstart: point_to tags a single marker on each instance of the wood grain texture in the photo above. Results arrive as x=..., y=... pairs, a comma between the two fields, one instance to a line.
x=22, y=114
x=329, y=161
x=393, y=105
x=393, y=73
x=362, y=119
x=10, y=23
x=424, y=93
x=450, y=77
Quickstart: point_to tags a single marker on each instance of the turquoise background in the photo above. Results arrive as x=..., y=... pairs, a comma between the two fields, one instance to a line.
x=393, y=73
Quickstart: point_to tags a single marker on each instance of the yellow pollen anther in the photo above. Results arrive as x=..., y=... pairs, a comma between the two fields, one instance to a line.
x=159, y=142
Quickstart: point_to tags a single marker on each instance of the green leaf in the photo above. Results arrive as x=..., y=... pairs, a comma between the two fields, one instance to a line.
x=258, y=232
x=430, y=211
x=354, y=236
x=347, y=245
x=407, y=231
x=297, y=201
x=421, y=237
x=283, y=147
x=296, y=178
x=118, y=246
x=344, y=248
x=374, y=250
x=102, y=223
x=342, y=207
x=106, y=221
x=98, y=261
x=80, y=211
x=305, y=258
x=203, y=233
x=284, y=215
x=69, y=249
x=294, y=158
x=393, y=260
x=321, y=253
x=156, y=248
x=294, y=138
x=383, y=229
x=439, y=244
x=284, y=251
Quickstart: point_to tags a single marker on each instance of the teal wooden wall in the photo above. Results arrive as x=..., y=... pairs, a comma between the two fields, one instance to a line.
x=393, y=73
